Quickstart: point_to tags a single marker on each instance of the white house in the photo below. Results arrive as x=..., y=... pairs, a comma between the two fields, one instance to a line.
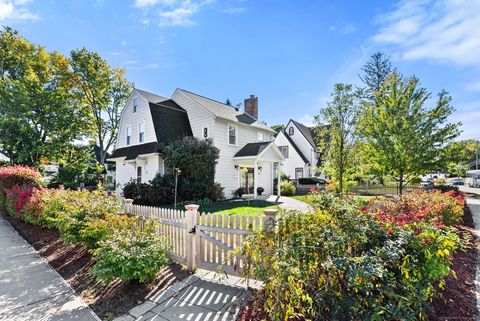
x=4, y=158
x=248, y=157
x=299, y=150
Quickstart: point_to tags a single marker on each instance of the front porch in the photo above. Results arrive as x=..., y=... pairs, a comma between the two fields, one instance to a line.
x=258, y=164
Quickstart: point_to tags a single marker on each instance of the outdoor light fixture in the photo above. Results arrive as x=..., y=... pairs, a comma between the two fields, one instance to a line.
x=236, y=166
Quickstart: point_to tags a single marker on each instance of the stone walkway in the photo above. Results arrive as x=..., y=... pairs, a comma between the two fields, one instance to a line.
x=30, y=289
x=288, y=203
x=204, y=296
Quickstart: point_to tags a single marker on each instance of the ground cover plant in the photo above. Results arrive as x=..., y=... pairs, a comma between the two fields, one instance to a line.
x=346, y=262
x=92, y=220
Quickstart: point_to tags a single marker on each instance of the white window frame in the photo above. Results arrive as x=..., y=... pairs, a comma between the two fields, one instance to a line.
x=128, y=138
x=260, y=136
x=291, y=131
x=281, y=150
x=228, y=134
x=140, y=132
x=134, y=104
x=203, y=132
x=298, y=168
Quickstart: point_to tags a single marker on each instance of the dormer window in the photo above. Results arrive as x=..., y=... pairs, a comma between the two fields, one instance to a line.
x=141, y=132
x=135, y=104
x=291, y=131
x=129, y=135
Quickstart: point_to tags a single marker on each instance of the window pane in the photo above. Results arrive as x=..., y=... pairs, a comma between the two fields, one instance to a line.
x=232, y=135
x=139, y=174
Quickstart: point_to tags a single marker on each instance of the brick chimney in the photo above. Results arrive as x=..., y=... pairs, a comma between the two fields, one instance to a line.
x=251, y=106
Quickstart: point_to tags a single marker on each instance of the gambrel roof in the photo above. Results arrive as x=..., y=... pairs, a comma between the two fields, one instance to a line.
x=225, y=111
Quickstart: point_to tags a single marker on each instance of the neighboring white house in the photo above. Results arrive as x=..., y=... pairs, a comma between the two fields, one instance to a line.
x=4, y=158
x=298, y=147
x=248, y=157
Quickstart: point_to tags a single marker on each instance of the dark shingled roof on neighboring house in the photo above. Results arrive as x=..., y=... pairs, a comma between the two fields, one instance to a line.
x=306, y=132
x=296, y=147
x=252, y=149
x=132, y=152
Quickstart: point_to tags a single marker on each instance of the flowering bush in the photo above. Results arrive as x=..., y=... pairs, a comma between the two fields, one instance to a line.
x=432, y=207
x=11, y=176
x=287, y=188
x=340, y=264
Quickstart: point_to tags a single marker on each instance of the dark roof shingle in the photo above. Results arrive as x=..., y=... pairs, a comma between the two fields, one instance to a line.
x=132, y=152
x=252, y=149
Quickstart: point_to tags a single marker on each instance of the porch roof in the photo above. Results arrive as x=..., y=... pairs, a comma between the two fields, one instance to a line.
x=132, y=152
x=256, y=150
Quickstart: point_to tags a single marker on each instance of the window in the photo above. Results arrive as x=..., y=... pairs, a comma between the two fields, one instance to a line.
x=291, y=131
x=298, y=173
x=135, y=104
x=232, y=135
x=284, y=150
x=129, y=135
x=141, y=132
x=205, y=132
x=260, y=136
x=139, y=174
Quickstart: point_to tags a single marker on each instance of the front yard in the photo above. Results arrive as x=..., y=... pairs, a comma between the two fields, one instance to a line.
x=239, y=207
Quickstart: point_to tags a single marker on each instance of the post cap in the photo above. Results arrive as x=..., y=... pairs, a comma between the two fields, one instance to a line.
x=192, y=207
x=270, y=212
x=128, y=201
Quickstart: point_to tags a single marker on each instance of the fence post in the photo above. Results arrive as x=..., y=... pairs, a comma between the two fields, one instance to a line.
x=270, y=220
x=191, y=220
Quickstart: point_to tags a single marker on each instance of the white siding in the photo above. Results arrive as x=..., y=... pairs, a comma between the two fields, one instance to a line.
x=294, y=160
x=197, y=115
x=265, y=178
x=225, y=172
x=125, y=172
x=129, y=118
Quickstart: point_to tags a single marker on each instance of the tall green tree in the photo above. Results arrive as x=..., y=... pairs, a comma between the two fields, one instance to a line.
x=458, y=156
x=337, y=123
x=405, y=137
x=103, y=90
x=39, y=113
x=374, y=73
x=277, y=128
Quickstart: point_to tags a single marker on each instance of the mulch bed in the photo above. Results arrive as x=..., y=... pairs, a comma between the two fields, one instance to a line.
x=458, y=299
x=73, y=262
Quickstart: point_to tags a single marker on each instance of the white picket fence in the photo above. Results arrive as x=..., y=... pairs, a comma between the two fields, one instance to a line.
x=203, y=240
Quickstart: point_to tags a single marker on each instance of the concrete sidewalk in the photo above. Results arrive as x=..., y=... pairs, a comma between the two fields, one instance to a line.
x=204, y=296
x=30, y=289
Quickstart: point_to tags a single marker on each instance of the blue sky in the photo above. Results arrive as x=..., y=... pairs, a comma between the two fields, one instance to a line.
x=289, y=53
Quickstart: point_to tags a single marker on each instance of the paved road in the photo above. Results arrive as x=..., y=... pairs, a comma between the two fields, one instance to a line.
x=30, y=289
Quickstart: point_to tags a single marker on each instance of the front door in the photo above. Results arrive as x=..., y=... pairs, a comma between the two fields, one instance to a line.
x=247, y=180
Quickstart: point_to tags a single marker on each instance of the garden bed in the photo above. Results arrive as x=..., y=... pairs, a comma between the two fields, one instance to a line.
x=73, y=262
x=458, y=299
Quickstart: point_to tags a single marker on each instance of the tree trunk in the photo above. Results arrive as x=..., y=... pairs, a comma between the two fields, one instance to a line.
x=400, y=182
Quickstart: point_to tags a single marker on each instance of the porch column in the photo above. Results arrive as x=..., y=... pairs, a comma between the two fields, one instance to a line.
x=255, y=178
x=279, y=183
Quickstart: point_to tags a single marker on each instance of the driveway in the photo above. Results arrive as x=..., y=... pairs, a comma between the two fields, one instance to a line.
x=288, y=203
x=30, y=289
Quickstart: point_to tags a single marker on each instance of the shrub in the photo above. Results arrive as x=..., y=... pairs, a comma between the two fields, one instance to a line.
x=100, y=229
x=339, y=264
x=131, y=254
x=149, y=194
x=260, y=190
x=216, y=193
x=239, y=192
x=288, y=188
x=432, y=207
x=22, y=199
x=18, y=175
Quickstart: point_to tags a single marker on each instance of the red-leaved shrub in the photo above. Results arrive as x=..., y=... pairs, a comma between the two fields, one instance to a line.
x=11, y=176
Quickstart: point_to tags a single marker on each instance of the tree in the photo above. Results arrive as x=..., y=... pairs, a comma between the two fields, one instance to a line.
x=338, y=121
x=459, y=156
x=375, y=71
x=39, y=114
x=277, y=128
x=103, y=91
x=404, y=137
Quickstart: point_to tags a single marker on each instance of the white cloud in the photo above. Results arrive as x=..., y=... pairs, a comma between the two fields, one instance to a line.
x=14, y=10
x=472, y=86
x=348, y=28
x=446, y=31
x=307, y=120
x=468, y=113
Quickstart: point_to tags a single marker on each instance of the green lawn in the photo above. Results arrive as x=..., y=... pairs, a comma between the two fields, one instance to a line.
x=239, y=207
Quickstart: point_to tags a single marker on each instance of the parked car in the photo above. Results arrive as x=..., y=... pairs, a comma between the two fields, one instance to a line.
x=427, y=185
x=457, y=181
x=305, y=184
